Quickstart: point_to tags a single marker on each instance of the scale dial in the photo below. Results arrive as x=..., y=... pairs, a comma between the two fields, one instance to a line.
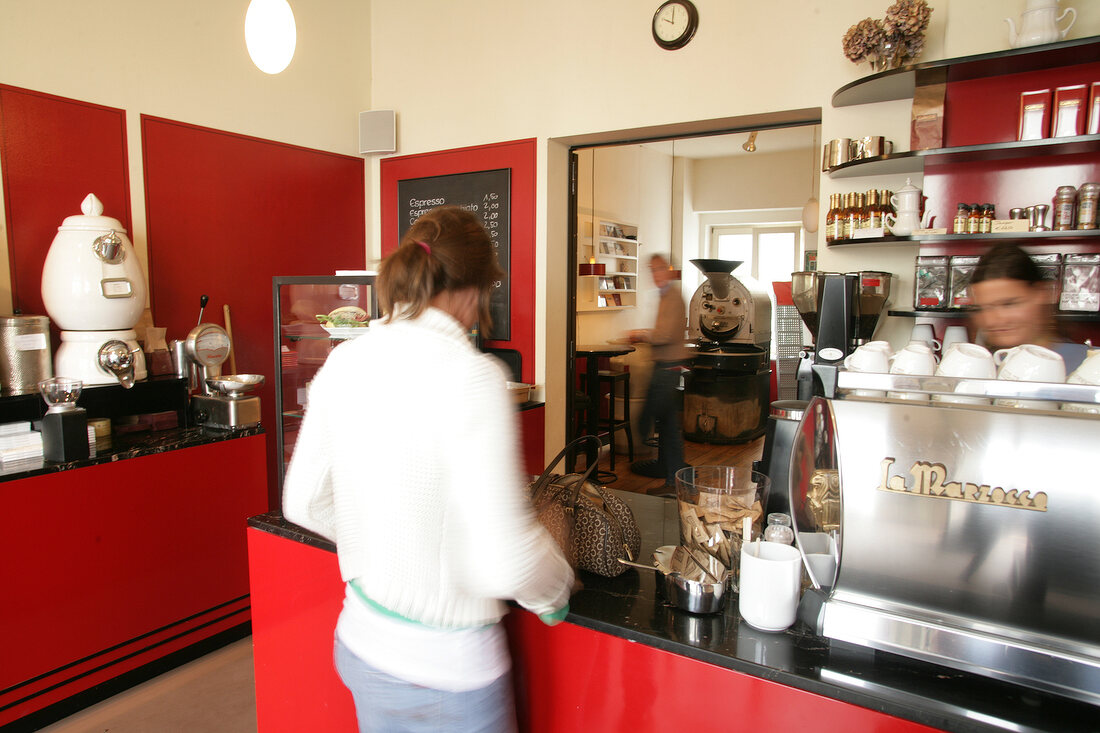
x=207, y=345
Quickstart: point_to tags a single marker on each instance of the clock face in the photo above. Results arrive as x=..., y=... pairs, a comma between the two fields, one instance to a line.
x=674, y=23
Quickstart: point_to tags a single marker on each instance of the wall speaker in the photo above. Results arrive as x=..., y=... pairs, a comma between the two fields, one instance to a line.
x=377, y=131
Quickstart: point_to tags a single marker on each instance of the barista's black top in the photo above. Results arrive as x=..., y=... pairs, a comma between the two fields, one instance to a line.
x=628, y=606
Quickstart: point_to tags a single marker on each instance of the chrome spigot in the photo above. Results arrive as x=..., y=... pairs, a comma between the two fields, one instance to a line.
x=117, y=358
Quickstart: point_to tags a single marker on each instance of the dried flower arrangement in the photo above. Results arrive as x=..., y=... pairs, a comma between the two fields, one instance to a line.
x=892, y=41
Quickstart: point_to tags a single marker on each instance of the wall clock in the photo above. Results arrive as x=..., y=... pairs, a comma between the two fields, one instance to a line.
x=674, y=24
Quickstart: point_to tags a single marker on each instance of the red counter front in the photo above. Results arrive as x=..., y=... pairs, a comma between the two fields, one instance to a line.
x=569, y=678
x=110, y=567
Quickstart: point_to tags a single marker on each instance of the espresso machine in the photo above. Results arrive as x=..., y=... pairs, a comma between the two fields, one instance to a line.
x=841, y=312
x=961, y=534
x=729, y=324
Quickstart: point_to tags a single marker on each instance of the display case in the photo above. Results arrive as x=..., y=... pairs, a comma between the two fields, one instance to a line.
x=303, y=343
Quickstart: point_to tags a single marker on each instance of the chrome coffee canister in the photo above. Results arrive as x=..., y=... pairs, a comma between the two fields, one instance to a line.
x=25, y=357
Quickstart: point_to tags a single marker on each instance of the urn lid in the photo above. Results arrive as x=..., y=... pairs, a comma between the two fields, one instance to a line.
x=91, y=219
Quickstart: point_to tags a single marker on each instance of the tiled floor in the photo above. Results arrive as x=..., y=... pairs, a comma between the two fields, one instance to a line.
x=213, y=694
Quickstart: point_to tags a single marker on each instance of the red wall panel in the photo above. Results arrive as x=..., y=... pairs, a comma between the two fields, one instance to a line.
x=519, y=156
x=54, y=152
x=226, y=213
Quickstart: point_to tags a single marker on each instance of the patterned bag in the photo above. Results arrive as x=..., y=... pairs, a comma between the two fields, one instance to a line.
x=593, y=527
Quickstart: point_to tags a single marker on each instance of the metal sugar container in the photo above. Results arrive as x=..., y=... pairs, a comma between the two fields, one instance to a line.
x=25, y=356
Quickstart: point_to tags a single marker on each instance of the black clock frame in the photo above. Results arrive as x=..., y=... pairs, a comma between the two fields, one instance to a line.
x=689, y=32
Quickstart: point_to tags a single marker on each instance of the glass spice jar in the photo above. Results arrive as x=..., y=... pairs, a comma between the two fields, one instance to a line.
x=962, y=216
x=987, y=218
x=874, y=217
x=1087, y=205
x=974, y=220
x=1065, y=205
x=832, y=216
x=853, y=216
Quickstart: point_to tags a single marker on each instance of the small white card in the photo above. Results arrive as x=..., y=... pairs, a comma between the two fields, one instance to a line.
x=1010, y=225
x=869, y=233
x=930, y=232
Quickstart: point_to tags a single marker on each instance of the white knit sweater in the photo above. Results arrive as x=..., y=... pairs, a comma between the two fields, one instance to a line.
x=408, y=459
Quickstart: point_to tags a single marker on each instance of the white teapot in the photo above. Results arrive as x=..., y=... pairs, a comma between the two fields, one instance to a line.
x=1039, y=24
x=906, y=202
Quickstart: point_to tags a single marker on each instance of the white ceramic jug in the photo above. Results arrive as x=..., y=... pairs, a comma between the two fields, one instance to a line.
x=906, y=202
x=91, y=279
x=1039, y=24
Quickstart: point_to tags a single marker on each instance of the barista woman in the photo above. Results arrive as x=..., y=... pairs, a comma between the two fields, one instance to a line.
x=1015, y=305
x=407, y=459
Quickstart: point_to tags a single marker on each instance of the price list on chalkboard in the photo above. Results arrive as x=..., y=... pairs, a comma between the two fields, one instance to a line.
x=486, y=194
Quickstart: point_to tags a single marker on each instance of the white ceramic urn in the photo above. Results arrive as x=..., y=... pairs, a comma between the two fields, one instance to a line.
x=91, y=280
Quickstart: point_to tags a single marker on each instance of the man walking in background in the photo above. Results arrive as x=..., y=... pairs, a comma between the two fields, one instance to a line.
x=662, y=402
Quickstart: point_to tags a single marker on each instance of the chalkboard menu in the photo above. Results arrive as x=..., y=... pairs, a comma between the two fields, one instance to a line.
x=485, y=193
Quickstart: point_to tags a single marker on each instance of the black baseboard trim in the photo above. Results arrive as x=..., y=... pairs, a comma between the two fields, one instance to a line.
x=86, y=698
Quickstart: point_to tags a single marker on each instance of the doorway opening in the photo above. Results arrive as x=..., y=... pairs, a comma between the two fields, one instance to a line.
x=684, y=192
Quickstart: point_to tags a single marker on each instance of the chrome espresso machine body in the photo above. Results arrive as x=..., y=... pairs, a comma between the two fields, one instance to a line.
x=727, y=389
x=966, y=534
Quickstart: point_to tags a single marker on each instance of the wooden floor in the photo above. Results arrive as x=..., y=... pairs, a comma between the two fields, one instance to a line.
x=696, y=454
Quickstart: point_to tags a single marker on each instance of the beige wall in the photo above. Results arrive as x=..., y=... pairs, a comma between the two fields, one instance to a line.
x=469, y=72
x=757, y=181
x=187, y=61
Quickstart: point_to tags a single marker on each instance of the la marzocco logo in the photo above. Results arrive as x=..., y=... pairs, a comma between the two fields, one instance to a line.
x=930, y=479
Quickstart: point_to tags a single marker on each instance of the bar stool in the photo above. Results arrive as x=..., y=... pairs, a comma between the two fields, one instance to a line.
x=611, y=423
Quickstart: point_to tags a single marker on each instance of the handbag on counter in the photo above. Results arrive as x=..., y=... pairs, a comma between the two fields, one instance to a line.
x=593, y=527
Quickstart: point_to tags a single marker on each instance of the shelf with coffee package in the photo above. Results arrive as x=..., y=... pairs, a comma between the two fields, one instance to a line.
x=913, y=161
x=1024, y=238
x=900, y=83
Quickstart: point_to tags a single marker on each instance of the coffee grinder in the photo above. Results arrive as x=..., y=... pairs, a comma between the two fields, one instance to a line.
x=841, y=312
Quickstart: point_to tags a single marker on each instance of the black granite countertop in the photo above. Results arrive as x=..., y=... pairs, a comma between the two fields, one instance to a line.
x=127, y=445
x=630, y=607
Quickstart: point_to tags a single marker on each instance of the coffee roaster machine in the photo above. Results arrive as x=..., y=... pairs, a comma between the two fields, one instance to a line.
x=726, y=391
x=966, y=534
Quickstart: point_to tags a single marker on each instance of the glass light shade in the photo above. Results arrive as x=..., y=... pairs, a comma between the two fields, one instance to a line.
x=270, y=34
x=810, y=213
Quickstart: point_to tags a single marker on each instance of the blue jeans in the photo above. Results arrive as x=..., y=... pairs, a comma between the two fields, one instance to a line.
x=389, y=705
x=662, y=409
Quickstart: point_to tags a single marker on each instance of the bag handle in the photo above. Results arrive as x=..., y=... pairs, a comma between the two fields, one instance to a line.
x=544, y=478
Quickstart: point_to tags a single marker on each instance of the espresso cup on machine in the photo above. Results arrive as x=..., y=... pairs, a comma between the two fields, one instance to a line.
x=1028, y=363
x=924, y=333
x=916, y=359
x=970, y=361
x=869, y=358
x=953, y=335
x=1088, y=373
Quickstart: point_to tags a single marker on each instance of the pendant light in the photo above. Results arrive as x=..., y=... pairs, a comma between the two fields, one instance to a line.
x=270, y=34
x=811, y=209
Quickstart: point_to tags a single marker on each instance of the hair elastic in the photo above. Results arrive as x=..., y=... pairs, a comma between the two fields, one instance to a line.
x=427, y=248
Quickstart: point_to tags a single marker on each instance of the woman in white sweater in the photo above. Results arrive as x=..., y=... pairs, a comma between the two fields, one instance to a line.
x=407, y=459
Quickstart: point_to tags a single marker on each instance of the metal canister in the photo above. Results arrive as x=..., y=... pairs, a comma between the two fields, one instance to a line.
x=25, y=356
x=1065, y=208
x=1087, y=205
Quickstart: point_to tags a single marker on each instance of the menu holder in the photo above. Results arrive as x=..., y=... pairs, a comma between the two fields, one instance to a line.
x=1034, y=115
x=1070, y=110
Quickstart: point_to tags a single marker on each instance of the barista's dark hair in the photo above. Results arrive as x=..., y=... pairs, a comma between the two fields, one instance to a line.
x=445, y=249
x=1006, y=261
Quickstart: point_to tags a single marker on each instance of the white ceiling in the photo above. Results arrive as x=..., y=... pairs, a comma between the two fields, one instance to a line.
x=720, y=146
